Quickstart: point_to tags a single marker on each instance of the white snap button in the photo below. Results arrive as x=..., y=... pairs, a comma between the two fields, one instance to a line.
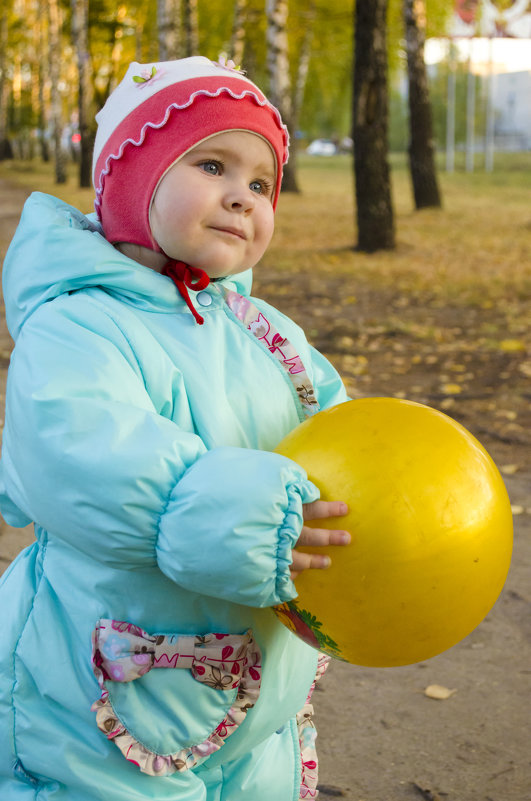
x=204, y=299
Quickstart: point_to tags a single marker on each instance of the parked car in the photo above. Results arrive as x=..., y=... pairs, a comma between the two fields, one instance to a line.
x=322, y=147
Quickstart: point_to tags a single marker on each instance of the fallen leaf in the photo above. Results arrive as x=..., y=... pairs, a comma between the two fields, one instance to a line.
x=451, y=389
x=346, y=342
x=447, y=403
x=426, y=793
x=511, y=345
x=509, y=469
x=438, y=692
x=508, y=414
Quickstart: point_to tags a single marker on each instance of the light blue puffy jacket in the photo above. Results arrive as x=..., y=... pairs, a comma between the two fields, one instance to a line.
x=139, y=443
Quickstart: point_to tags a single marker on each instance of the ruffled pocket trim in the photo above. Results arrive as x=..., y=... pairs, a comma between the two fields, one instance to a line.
x=307, y=736
x=124, y=652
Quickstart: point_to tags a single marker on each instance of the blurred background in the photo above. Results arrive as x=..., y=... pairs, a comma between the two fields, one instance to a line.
x=402, y=246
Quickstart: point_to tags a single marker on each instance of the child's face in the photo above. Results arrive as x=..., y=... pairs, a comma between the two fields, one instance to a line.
x=213, y=209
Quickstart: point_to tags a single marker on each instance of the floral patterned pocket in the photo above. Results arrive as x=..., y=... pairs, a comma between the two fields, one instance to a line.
x=123, y=652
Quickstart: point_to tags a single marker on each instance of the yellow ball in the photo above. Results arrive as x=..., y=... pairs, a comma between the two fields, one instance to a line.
x=431, y=529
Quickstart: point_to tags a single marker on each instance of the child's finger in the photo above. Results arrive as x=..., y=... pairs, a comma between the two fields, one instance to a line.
x=323, y=536
x=321, y=509
x=306, y=561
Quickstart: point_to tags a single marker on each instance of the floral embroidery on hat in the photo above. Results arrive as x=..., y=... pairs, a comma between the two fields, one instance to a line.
x=227, y=63
x=146, y=77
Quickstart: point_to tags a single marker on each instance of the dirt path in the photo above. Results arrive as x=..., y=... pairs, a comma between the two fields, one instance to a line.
x=380, y=737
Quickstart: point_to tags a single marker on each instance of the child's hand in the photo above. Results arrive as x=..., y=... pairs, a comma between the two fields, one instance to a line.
x=318, y=536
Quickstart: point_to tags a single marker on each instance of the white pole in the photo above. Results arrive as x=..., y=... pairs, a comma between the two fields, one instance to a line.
x=470, y=109
x=450, y=109
x=489, y=133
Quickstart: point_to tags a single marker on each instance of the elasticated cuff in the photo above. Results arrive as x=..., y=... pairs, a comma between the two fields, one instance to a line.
x=298, y=494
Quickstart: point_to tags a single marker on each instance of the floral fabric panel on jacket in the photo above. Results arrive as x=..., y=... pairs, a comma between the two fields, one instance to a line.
x=281, y=348
x=307, y=737
x=124, y=652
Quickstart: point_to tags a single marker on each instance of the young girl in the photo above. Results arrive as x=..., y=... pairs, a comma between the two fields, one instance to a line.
x=146, y=393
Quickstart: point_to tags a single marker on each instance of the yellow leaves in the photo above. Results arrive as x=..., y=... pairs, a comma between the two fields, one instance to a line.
x=451, y=389
x=346, y=343
x=447, y=404
x=355, y=365
x=509, y=469
x=511, y=345
x=438, y=692
x=506, y=414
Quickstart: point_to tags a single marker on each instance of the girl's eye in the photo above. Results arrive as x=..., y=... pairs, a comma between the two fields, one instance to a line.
x=260, y=187
x=211, y=167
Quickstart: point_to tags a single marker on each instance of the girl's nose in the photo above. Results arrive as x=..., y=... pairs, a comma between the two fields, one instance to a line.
x=240, y=199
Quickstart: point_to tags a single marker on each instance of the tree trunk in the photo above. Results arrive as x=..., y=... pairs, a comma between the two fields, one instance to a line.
x=54, y=28
x=163, y=24
x=6, y=151
x=42, y=68
x=169, y=28
x=191, y=28
x=370, y=128
x=237, y=42
x=304, y=63
x=85, y=92
x=279, y=78
x=421, y=149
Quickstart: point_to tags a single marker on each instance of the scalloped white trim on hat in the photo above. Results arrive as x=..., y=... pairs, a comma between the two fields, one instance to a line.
x=260, y=100
x=128, y=95
x=190, y=99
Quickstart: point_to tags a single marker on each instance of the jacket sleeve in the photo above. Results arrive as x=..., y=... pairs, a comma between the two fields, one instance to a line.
x=88, y=456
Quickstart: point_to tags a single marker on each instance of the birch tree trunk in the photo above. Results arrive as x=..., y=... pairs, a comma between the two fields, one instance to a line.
x=279, y=78
x=85, y=91
x=304, y=63
x=421, y=149
x=237, y=42
x=169, y=28
x=42, y=50
x=54, y=28
x=374, y=208
x=191, y=28
x=163, y=24
x=6, y=151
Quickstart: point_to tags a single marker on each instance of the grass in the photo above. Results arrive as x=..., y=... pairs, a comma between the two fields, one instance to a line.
x=481, y=236
x=37, y=176
x=474, y=249
x=444, y=318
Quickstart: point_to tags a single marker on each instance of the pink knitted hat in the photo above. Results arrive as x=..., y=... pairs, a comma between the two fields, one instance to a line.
x=155, y=115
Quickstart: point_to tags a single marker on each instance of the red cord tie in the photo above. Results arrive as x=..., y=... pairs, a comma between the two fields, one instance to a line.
x=183, y=276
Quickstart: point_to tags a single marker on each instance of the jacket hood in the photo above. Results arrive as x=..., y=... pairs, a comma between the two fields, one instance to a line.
x=57, y=249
